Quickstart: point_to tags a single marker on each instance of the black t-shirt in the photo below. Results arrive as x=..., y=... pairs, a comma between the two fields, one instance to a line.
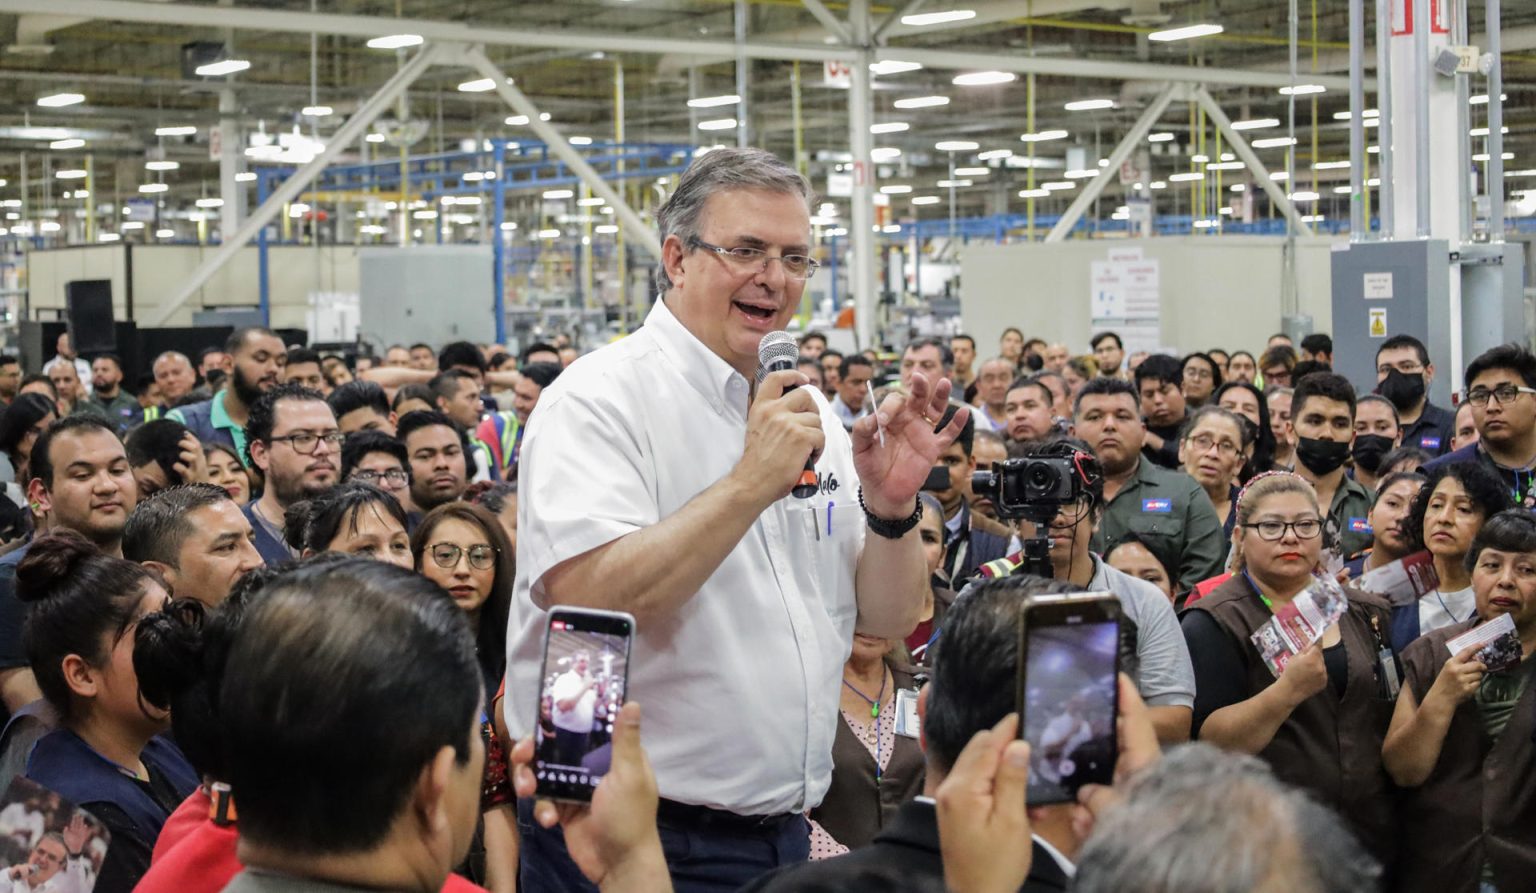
x=1221, y=676
x=128, y=854
x=1168, y=456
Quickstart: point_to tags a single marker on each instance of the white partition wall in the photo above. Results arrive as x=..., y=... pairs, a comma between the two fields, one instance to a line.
x=1211, y=292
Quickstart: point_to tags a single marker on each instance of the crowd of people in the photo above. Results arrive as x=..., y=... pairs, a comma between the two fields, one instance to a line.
x=279, y=622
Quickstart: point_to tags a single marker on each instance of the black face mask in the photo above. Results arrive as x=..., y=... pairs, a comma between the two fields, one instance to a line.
x=1321, y=456
x=1404, y=390
x=1369, y=450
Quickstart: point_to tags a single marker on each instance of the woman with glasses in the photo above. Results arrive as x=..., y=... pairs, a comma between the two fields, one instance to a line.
x=1201, y=379
x=461, y=547
x=1461, y=742
x=1447, y=514
x=1320, y=724
x=1215, y=444
x=354, y=519
x=373, y=457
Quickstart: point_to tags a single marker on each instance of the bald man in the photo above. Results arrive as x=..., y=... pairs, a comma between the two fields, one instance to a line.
x=1056, y=356
x=175, y=376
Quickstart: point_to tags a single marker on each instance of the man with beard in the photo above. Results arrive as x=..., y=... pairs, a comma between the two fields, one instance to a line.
x=258, y=360
x=1403, y=376
x=293, y=438
x=107, y=382
x=439, y=471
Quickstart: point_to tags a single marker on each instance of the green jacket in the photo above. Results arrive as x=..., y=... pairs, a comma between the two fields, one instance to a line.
x=1169, y=512
x=1349, y=517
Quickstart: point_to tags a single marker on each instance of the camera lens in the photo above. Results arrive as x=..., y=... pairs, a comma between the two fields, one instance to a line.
x=1041, y=476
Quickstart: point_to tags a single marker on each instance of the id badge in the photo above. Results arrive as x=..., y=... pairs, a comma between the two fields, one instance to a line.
x=1391, y=680
x=907, y=722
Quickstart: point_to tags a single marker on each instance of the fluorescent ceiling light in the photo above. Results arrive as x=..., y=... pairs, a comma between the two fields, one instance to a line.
x=896, y=190
x=1238, y=187
x=175, y=131
x=971, y=171
x=1086, y=173
x=222, y=68
x=1373, y=182
x=1476, y=131
x=108, y=237
x=992, y=154
x=1482, y=98
x=1089, y=105
x=1157, y=184
x=893, y=66
x=956, y=146
x=1483, y=156
x=209, y=203
x=884, y=153
x=423, y=215
x=718, y=124
x=1345, y=116
x=75, y=144
x=59, y=100
x=1200, y=159
x=606, y=229
x=1279, y=175
x=1187, y=177
x=508, y=226
x=1159, y=137
x=149, y=188
x=557, y=194
x=1043, y=136
x=1058, y=185
x=1186, y=32
x=547, y=234
x=245, y=177
x=132, y=224
x=165, y=234
x=374, y=138
x=479, y=85
x=953, y=184
x=891, y=228
x=1225, y=166
x=1530, y=172
x=983, y=78
x=1313, y=218
x=1256, y=124
x=395, y=42
x=1307, y=196
x=710, y=102
x=70, y=175
x=1303, y=90
x=921, y=102
x=1342, y=190
x=938, y=18
x=579, y=140
x=473, y=176
x=1207, y=224
x=316, y=111
x=926, y=200
x=1330, y=165
x=1228, y=156
x=162, y=165
x=1034, y=193
x=1274, y=142
x=520, y=120
x=593, y=202
x=890, y=127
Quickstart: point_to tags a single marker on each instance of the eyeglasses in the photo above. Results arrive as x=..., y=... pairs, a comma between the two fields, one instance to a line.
x=1197, y=373
x=395, y=476
x=1504, y=393
x=482, y=557
x=305, y=443
x=1203, y=443
x=796, y=266
x=1273, y=531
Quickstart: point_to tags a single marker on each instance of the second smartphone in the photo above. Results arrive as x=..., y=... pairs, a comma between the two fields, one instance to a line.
x=581, y=688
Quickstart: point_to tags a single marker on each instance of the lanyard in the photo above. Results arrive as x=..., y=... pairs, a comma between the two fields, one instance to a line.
x=1262, y=597
x=874, y=712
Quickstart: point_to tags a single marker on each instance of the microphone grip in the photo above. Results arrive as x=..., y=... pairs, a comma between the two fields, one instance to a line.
x=809, y=481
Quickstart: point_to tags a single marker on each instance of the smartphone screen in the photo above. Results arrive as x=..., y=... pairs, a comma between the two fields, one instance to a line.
x=586, y=666
x=1070, y=653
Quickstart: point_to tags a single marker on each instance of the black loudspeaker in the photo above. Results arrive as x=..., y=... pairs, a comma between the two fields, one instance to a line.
x=89, y=310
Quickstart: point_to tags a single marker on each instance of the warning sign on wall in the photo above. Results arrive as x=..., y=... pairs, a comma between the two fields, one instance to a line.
x=1378, y=322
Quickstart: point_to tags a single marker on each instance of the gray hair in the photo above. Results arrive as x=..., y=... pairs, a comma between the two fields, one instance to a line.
x=1209, y=820
x=718, y=171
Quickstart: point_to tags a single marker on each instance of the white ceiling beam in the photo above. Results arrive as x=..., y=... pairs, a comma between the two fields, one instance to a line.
x=1128, y=144
x=826, y=18
x=1245, y=153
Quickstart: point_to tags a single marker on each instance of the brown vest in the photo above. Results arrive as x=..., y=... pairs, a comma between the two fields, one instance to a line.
x=1330, y=746
x=856, y=806
x=1479, y=803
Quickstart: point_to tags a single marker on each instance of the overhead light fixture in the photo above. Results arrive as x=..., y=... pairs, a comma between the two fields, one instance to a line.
x=1256, y=124
x=1089, y=105
x=921, y=102
x=558, y=194
x=547, y=234
x=896, y=190
x=1313, y=218
x=1482, y=98
x=70, y=175
x=1043, y=136
x=994, y=154
x=884, y=153
x=1345, y=115
x=520, y=120
x=395, y=42
x=317, y=111
x=920, y=19
x=1238, y=187
x=209, y=203
x=1342, y=190
x=132, y=224
x=478, y=85
x=893, y=66
x=890, y=127
x=245, y=177
x=1274, y=142
x=1157, y=184
x=718, y=124
x=59, y=100
x=1200, y=159
x=75, y=144
x=151, y=188
x=1330, y=165
x=1086, y=173
x=1483, y=156
x=926, y=200
x=1529, y=172
x=592, y=202
x=891, y=228
x=710, y=102
x=1187, y=177
x=579, y=140
x=1225, y=166
x=606, y=229
x=972, y=171
x=1058, y=185
x=162, y=165
x=165, y=234
x=953, y=184
x=1185, y=32
x=1159, y=137
x=1306, y=196
x=1303, y=90
x=1034, y=193
x=1207, y=223
x=473, y=176
x=1476, y=131
x=956, y=146
x=222, y=68
x=1279, y=176
x=983, y=78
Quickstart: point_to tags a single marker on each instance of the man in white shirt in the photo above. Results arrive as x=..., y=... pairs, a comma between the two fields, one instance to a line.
x=654, y=482
x=575, y=699
x=52, y=867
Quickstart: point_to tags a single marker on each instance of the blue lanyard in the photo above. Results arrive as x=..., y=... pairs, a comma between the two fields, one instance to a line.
x=874, y=711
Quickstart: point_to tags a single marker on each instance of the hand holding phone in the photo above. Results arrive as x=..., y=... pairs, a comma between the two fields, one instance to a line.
x=581, y=689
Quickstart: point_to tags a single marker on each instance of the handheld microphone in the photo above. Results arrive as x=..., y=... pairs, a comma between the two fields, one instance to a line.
x=778, y=352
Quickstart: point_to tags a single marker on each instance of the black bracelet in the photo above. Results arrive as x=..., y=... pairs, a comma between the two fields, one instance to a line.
x=891, y=530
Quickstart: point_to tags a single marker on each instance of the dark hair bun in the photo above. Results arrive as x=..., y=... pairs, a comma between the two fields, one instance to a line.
x=296, y=519
x=51, y=559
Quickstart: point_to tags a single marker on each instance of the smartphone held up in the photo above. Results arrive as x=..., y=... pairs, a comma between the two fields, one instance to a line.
x=582, y=687
x=1069, y=661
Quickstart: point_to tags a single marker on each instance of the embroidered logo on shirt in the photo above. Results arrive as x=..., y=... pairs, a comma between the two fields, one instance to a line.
x=828, y=483
x=1157, y=506
x=1429, y=443
x=1359, y=525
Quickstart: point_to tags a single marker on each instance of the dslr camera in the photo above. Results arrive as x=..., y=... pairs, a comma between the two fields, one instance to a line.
x=1034, y=487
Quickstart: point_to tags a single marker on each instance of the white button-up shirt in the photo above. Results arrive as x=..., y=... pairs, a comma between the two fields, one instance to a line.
x=741, y=686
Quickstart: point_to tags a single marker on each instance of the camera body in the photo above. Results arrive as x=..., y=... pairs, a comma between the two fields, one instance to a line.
x=1031, y=487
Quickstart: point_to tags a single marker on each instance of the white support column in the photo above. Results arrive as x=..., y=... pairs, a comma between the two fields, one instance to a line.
x=861, y=237
x=520, y=103
x=1129, y=144
x=230, y=141
x=295, y=185
x=1245, y=153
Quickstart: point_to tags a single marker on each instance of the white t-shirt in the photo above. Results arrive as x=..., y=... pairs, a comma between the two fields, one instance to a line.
x=572, y=684
x=1437, y=609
